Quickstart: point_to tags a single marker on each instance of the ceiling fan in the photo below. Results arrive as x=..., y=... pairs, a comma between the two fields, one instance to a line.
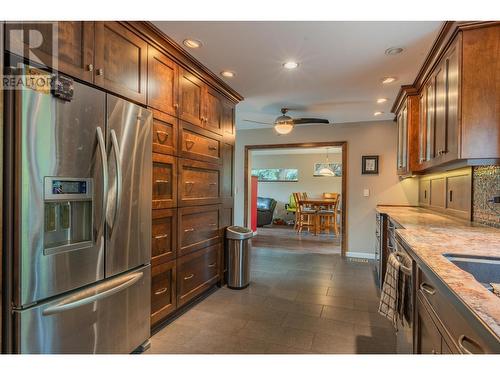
x=284, y=124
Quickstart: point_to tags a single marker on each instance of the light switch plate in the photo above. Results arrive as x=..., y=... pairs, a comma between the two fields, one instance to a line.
x=366, y=192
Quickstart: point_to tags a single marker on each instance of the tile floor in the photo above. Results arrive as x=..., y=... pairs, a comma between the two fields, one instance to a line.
x=298, y=302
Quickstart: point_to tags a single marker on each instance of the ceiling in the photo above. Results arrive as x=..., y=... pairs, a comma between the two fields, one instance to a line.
x=340, y=71
x=297, y=151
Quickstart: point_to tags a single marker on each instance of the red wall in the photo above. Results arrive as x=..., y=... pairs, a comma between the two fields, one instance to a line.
x=253, y=204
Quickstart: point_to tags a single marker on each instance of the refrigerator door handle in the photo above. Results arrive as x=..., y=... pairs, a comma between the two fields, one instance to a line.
x=104, y=161
x=94, y=294
x=116, y=150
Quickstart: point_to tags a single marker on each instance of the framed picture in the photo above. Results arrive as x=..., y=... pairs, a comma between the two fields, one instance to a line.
x=327, y=169
x=369, y=164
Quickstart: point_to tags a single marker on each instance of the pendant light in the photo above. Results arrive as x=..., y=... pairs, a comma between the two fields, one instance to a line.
x=326, y=171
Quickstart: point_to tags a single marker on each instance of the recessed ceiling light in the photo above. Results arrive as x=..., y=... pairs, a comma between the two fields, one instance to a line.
x=227, y=74
x=290, y=65
x=378, y=113
x=381, y=100
x=387, y=80
x=393, y=51
x=192, y=43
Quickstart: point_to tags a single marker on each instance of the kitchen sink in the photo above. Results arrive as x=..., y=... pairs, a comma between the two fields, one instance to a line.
x=486, y=270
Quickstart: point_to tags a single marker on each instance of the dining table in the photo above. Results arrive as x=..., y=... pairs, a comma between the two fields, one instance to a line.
x=318, y=203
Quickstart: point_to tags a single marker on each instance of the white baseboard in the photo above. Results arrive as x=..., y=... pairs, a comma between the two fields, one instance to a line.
x=353, y=254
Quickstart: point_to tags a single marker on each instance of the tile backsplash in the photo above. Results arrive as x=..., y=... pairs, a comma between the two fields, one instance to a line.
x=486, y=184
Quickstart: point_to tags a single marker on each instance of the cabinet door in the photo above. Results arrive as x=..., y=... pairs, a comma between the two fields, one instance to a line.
x=121, y=61
x=164, y=236
x=428, y=338
x=162, y=82
x=163, y=291
x=402, y=156
x=429, y=119
x=74, y=54
x=228, y=121
x=213, y=111
x=164, y=181
x=453, y=89
x=191, y=91
x=164, y=133
x=422, y=128
x=440, y=110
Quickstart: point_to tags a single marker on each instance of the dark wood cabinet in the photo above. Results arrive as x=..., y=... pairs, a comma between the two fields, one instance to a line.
x=428, y=338
x=164, y=236
x=199, y=144
x=199, y=183
x=74, y=55
x=164, y=181
x=212, y=111
x=402, y=149
x=163, y=82
x=165, y=129
x=196, y=272
x=458, y=116
x=120, y=61
x=198, y=227
x=191, y=91
x=163, y=291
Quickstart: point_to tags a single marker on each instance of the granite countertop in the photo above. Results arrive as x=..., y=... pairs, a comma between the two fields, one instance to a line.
x=430, y=235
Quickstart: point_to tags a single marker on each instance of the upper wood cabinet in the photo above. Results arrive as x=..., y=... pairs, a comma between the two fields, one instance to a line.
x=163, y=82
x=459, y=105
x=120, y=60
x=191, y=91
x=74, y=54
x=402, y=150
x=406, y=119
x=213, y=110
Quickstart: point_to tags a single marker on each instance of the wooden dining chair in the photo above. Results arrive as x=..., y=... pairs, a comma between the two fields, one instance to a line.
x=328, y=215
x=305, y=217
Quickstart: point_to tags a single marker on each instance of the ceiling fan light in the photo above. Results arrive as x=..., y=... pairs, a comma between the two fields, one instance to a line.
x=283, y=128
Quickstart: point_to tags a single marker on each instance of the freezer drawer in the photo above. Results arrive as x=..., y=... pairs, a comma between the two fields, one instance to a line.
x=109, y=317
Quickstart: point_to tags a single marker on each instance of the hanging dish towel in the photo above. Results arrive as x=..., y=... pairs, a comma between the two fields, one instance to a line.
x=389, y=299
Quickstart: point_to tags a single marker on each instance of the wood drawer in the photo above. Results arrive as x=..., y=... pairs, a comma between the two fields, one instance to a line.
x=449, y=311
x=199, y=183
x=199, y=144
x=164, y=235
x=163, y=291
x=196, y=272
x=198, y=227
x=164, y=181
x=164, y=133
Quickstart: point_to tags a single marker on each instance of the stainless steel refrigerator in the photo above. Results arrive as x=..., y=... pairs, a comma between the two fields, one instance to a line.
x=81, y=209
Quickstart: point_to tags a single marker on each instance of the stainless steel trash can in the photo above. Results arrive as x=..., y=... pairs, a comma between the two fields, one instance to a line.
x=238, y=246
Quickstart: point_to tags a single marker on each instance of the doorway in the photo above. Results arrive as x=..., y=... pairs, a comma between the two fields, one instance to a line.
x=279, y=170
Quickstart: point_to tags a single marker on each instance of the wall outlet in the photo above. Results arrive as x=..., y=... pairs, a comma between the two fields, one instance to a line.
x=366, y=192
x=495, y=199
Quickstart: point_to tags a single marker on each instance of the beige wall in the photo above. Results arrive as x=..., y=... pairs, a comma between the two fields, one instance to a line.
x=314, y=186
x=368, y=138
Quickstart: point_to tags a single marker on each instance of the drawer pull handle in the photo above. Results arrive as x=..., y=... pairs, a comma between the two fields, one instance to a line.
x=213, y=224
x=212, y=184
x=161, y=139
x=189, y=183
x=159, y=237
x=161, y=181
x=189, y=144
x=212, y=148
x=463, y=349
x=189, y=230
x=189, y=277
x=212, y=265
x=161, y=291
x=424, y=287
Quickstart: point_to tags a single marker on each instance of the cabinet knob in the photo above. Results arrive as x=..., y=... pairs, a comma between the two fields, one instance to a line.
x=212, y=265
x=176, y=105
x=90, y=67
x=99, y=72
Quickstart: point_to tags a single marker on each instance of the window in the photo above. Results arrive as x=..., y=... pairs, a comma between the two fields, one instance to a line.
x=276, y=174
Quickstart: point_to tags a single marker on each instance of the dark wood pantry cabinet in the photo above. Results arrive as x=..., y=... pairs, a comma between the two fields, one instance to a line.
x=193, y=145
